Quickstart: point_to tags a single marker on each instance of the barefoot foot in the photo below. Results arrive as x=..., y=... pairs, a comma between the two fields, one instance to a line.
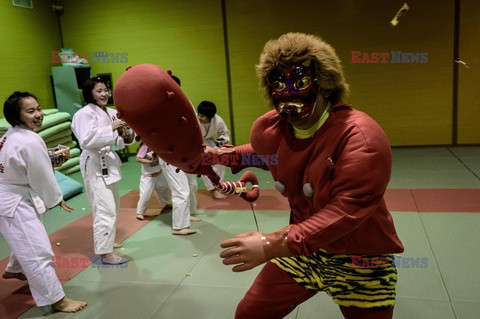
x=113, y=259
x=14, y=275
x=194, y=219
x=68, y=305
x=217, y=195
x=184, y=231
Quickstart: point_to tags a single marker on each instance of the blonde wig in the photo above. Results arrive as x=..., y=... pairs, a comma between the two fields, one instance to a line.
x=295, y=48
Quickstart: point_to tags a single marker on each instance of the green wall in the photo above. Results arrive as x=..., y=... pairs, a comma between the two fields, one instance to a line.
x=183, y=36
x=27, y=37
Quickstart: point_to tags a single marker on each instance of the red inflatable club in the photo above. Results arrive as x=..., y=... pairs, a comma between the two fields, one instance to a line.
x=155, y=107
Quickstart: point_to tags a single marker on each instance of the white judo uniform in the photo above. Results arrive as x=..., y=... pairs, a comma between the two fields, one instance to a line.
x=100, y=168
x=27, y=187
x=152, y=180
x=209, y=132
x=184, y=191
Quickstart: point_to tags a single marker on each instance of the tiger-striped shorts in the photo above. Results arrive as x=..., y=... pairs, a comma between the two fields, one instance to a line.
x=349, y=283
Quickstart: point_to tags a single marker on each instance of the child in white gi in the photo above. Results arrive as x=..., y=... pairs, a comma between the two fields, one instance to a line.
x=184, y=201
x=184, y=191
x=98, y=129
x=212, y=125
x=151, y=180
x=27, y=187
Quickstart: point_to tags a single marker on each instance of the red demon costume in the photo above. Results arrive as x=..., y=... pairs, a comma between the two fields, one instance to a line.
x=334, y=164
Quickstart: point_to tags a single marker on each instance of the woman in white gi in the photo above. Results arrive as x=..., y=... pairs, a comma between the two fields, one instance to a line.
x=151, y=180
x=212, y=125
x=97, y=128
x=27, y=187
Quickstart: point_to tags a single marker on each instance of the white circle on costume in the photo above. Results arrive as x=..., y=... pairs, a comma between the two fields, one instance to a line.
x=280, y=187
x=308, y=190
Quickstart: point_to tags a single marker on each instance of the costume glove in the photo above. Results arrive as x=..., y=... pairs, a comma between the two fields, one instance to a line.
x=251, y=249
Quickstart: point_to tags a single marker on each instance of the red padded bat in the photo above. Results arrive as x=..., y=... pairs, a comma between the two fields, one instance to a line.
x=155, y=107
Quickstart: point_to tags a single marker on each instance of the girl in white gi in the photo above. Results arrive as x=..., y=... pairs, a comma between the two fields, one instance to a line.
x=151, y=180
x=96, y=128
x=212, y=125
x=27, y=187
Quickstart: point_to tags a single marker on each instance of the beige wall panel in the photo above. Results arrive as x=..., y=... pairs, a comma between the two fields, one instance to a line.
x=469, y=79
x=412, y=102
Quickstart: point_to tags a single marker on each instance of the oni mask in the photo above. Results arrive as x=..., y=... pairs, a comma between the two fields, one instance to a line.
x=293, y=90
